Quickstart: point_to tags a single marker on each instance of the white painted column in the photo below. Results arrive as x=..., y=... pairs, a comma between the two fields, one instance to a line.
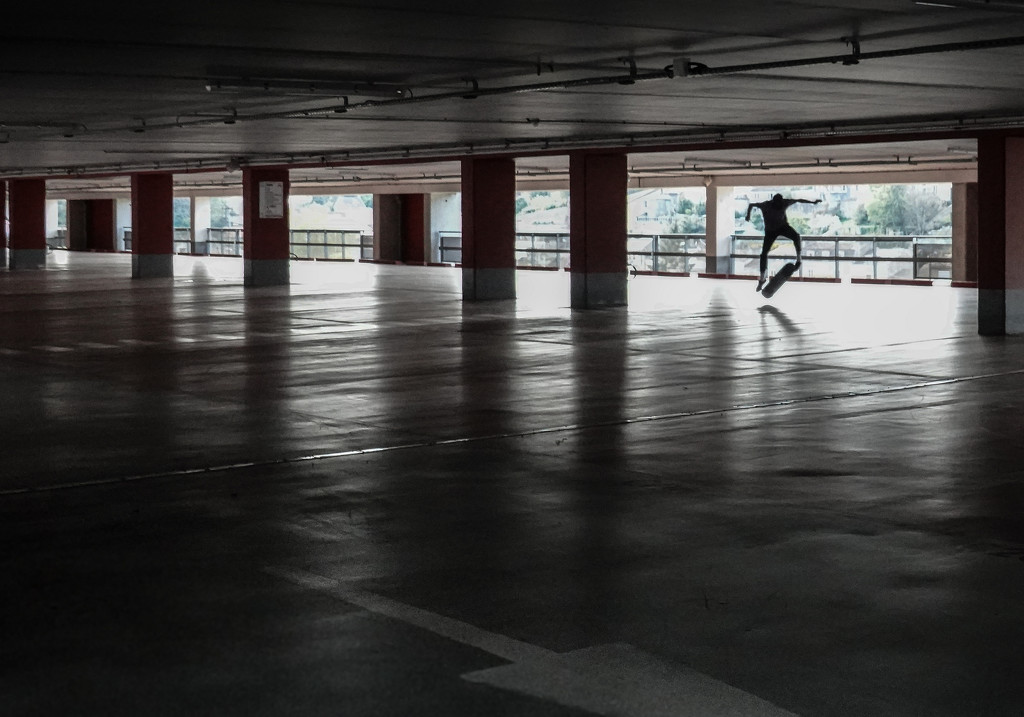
x=445, y=216
x=52, y=221
x=201, y=219
x=122, y=222
x=721, y=222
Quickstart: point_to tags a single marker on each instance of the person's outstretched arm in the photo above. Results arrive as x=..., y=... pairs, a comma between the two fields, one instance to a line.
x=749, y=207
x=807, y=201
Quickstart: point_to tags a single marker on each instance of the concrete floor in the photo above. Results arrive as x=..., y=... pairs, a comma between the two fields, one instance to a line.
x=359, y=496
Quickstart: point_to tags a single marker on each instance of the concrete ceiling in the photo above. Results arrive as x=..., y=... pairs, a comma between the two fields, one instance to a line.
x=338, y=87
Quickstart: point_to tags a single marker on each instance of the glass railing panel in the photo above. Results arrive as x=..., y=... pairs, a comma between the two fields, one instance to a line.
x=855, y=248
x=902, y=270
x=894, y=248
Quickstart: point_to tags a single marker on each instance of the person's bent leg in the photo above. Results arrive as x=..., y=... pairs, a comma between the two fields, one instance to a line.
x=792, y=234
x=763, y=266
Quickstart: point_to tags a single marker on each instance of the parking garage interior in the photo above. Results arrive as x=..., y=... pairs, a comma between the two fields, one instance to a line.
x=395, y=481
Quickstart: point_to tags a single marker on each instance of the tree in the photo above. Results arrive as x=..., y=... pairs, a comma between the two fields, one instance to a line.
x=688, y=224
x=898, y=209
x=182, y=213
x=888, y=207
x=925, y=212
x=521, y=204
x=222, y=214
x=801, y=225
x=755, y=218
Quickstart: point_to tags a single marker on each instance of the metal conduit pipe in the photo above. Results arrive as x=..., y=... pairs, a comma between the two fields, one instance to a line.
x=688, y=69
x=692, y=70
x=696, y=69
x=830, y=164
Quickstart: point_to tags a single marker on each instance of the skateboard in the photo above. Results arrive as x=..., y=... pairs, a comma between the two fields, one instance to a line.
x=776, y=282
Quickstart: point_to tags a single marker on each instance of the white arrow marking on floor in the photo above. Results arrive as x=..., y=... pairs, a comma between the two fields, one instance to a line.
x=616, y=679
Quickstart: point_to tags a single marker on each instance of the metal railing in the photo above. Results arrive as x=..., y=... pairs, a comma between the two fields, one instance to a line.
x=221, y=242
x=182, y=241
x=669, y=253
x=334, y=244
x=832, y=257
x=845, y=257
x=541, y=250
x=449, y=245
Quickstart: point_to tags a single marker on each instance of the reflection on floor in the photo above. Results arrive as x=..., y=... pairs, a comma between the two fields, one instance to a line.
x=359, y=495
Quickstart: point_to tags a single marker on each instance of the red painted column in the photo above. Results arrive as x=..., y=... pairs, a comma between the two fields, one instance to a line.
x=103, y=225
x=3, y=221
x=152, y=225
x=488, y=229
x=387, y=227
x=597, y=229
x=965, y=232
x=1014, y=252
x=28, y=223
x=266, y=239
x=415, y=228
x=1000, y=235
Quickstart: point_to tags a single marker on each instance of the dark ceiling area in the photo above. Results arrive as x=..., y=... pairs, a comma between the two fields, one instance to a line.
x=114, y=88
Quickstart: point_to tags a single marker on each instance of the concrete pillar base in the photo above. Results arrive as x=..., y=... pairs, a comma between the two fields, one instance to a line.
x=1014, y=312
x=719, y=265
x=28, y=258
x=591, y=291
x=152, y=266
x=488, y=284
x=991, y=312
x=267, y=272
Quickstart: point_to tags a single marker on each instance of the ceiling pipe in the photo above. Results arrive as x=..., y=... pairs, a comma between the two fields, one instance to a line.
x=682, y=67
x=698, y=168
x=856, y=56
x=686, y=69
x=305, y=87
x=997, y=5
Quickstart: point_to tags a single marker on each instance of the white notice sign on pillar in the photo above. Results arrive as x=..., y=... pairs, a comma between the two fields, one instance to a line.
x=271, y=200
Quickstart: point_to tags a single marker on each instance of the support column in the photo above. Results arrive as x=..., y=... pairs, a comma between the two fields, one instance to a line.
x=1000, y=235
x=152, y=225
x=488, y=229
x=123, y=221
x=597, y=229
x=721, y=223
x=965, y=232
x=28, y=223
x=415, y=228
x=265, y=233
x=3, y=222
x=53, y=235
x=201, y=219
x=91, y=224
x=445, y=218
x=387, y=227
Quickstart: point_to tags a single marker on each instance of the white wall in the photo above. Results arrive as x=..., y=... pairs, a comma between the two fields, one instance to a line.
x=445, y=216
x=51, y=218
x=122, y=221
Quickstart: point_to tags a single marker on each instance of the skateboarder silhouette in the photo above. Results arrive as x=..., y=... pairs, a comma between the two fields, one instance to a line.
x=776, y=225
